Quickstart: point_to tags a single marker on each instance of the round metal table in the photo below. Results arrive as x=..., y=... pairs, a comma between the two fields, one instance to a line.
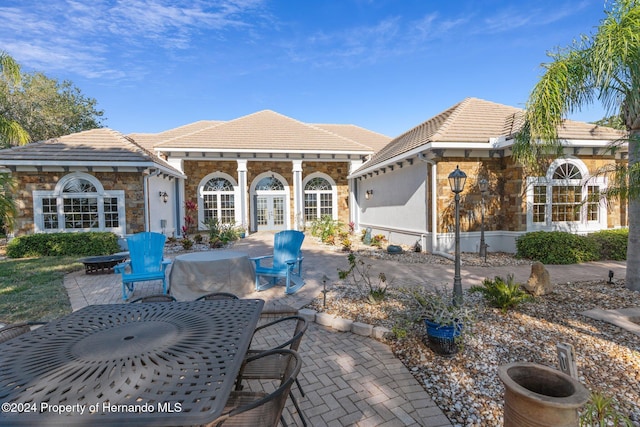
x=170, y=363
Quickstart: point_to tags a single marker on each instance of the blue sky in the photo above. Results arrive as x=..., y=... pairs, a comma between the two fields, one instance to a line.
x=386, y=65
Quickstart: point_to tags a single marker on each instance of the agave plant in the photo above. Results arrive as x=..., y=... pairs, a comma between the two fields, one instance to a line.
x=502, y=294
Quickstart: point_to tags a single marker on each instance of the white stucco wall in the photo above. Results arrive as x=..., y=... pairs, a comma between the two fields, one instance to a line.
x=158, y=210
x=398, y=206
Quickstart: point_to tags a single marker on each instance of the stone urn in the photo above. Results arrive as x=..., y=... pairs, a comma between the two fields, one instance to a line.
x=540, y=396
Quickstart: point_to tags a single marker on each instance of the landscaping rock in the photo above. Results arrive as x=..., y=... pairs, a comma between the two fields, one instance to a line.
x=539, y=282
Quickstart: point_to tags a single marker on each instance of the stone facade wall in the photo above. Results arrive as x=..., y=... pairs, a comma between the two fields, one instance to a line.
x=198, y=169
x=502, y=205
x=131, y=183
x=505, y=206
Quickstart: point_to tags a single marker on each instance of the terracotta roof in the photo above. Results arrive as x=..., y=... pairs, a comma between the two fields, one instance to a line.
x=83, y=148
x=478, y=121
x=270, y=131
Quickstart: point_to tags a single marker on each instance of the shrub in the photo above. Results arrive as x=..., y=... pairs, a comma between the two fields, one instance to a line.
x=601, y=410
x=361, y=272
x=187, y=243
x=326, y=229
x=611, y=244
x=502, y=294
x=556, y=247
x=59, y=244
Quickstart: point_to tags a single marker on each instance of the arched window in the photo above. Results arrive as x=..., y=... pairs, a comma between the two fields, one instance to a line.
x=566, y=198
x=269, y=183
x=218, y=199
x=319, y=198
x=79, y=202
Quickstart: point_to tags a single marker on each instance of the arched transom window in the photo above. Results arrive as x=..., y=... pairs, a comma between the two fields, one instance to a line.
x=79, y=203
x=270, y=183
x=566, y=196
x=319, y=198
x=219, y=200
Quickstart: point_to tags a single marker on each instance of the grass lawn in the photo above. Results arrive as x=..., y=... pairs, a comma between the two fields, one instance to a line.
x=33, y=289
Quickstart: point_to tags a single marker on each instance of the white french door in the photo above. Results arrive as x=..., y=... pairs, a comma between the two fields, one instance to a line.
x=270, y=212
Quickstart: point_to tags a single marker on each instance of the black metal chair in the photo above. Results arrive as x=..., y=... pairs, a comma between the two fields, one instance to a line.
x=285, y=332
x=16, y=329
x=217, y=296
x=257, y=408
x=154, y=298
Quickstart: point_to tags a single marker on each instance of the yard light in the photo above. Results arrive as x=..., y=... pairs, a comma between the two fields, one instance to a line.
x=483, y=186
x=457, y=179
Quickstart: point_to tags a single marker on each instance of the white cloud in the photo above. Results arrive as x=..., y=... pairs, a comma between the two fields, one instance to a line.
x=91, y=38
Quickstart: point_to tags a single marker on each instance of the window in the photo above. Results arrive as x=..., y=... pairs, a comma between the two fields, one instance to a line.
x=565, y=199
x=218, y=195
x=79, y=203
x=539, y=203
x=269, y=183
x=319, y=197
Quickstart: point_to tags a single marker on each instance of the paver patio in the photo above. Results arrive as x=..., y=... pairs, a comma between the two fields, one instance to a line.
x=349, y=380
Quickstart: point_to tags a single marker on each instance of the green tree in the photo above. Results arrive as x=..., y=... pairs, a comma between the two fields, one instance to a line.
x=604, y=67
x=11, y=132
x=47, y=108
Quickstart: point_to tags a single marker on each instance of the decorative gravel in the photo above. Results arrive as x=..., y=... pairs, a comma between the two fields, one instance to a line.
x=466, y=387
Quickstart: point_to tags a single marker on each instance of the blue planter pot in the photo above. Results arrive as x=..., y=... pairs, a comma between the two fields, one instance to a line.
x=441, y=339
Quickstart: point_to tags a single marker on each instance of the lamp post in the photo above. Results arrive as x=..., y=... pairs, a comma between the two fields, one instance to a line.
x=457, y=179
x=483, y=185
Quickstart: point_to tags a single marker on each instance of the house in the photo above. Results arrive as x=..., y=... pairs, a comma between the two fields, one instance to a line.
x=94, y=180
x=263, y=171
x=267, y=171
x=403, y=192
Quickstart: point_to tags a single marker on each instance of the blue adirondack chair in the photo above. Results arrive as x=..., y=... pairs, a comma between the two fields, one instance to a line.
x=287, y=262
x=145, y=262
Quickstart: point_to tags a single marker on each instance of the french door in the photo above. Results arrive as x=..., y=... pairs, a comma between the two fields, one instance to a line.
x=270, y=212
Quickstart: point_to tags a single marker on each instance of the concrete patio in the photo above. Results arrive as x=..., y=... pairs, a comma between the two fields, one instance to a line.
x=349, y=379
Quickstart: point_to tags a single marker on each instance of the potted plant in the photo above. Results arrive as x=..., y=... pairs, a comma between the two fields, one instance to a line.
x=446, y=322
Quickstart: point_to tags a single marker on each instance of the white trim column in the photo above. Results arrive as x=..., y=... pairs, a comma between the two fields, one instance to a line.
x=298, y=195
x=354, y=188
x=242, y=189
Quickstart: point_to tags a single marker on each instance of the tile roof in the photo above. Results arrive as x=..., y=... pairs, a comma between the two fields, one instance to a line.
x=270, y=131
x=149, y=140
x=475, y=120
x=83, y=148
x=375, y=140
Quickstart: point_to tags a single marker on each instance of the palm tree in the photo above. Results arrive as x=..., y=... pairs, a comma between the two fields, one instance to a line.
x=11, y=133
x=603, y=67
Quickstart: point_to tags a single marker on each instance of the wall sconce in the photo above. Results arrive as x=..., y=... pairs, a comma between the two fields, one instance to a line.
x=368, y=194
x=164, y=196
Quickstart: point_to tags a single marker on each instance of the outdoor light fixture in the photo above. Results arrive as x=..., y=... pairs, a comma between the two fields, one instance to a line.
x=483, y=186
x=164, y=196
x=457, y=179
x=610, y=282
x=368, y=194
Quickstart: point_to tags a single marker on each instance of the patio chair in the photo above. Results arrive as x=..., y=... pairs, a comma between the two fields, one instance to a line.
x=154, y=298
x=217, y=296
x=256, y=408
x=12, y=331
x=145, y=263
x=286, y=262
x=285, y=332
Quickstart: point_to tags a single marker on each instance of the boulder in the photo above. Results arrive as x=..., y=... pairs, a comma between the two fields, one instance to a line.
x=539, y=282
